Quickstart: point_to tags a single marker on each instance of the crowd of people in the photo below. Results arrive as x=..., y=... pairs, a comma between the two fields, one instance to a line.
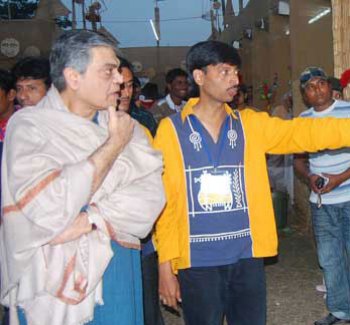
x=115, y=201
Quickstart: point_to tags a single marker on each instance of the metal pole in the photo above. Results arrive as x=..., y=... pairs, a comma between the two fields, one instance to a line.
x=240, y=6
x=74, y=18
x=83, y=13
x=157, y=21
x=223, y=7
x=94, y=26
x=212, y=20
x=9, y=9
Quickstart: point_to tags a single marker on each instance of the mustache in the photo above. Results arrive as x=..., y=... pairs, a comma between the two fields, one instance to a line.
x=124, y=98
x=233, y=88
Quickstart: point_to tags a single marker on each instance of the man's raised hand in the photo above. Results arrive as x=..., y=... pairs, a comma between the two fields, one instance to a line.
x=120, y=127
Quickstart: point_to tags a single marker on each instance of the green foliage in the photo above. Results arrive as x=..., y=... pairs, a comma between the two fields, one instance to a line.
x=18, y=9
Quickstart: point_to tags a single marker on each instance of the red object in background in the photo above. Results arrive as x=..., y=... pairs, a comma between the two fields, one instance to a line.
x=266, y=89
x=147, y=103
x=345, y=78
x=240, y=78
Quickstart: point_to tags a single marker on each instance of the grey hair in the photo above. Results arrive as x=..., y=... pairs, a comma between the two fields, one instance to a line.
x=72, y=49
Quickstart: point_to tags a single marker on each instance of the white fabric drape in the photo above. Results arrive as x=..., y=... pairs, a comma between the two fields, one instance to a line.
x=46, y=180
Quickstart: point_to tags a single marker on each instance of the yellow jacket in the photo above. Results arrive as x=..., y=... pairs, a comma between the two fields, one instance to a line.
x=263, y=134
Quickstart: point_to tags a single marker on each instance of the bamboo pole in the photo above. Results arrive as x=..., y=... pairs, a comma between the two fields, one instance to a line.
x=341, y=44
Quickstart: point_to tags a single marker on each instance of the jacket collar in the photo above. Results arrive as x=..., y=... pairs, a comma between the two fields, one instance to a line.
x=188, y=109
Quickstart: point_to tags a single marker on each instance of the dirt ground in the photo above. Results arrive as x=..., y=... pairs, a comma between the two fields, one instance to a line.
x=291, y=280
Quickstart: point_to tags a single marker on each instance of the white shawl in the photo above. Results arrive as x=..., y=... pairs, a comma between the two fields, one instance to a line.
x=46, y=180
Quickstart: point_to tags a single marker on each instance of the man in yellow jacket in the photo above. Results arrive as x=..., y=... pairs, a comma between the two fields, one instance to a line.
x=218, y=223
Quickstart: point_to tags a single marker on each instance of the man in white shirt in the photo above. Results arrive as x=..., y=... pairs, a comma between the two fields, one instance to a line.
x=177, y=87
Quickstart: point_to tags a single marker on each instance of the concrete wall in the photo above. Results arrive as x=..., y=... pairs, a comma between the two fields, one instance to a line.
x=311, y=45
x=254, y=10
x=267, y=54
x=157, y=61
x=29, y=33
x=274, y=51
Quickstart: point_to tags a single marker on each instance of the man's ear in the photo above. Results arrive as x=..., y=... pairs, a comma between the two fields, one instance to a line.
x=11, y=95
x=198, y=76
x=304, y=98
x=72, y=78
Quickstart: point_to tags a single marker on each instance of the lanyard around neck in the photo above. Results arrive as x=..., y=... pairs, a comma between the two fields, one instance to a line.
x=214, y=161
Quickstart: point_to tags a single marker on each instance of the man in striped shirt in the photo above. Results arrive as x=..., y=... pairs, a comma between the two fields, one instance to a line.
x=328, y=174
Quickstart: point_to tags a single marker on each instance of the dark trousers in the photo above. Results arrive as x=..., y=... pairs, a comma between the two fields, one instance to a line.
x=6, y=317
x=151, y=307
x=236, y=291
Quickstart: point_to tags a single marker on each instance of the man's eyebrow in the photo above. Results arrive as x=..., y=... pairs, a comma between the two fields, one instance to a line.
x=26, y=85
x=111, y=65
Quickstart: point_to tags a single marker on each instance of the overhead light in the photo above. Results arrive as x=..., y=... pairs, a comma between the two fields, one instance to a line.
x=283, y=8
x=320, y=15
x=154, y=30
x=287, y=32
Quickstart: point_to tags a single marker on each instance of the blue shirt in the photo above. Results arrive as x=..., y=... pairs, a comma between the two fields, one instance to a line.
x=144, y=117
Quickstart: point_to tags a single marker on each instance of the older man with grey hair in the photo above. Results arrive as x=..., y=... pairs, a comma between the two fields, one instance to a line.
x=76, y=197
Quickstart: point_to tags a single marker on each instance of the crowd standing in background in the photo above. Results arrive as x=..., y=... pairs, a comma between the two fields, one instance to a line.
x=7, y=101
x=117, y=199
x=32, y=79
x=177, y=93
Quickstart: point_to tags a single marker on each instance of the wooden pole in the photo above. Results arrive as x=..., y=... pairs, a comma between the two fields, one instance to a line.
x=341, y=44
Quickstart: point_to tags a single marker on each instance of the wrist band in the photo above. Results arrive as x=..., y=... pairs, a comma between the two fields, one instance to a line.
x=91, y=222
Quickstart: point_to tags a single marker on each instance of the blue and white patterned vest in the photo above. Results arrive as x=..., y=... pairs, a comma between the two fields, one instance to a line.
x=217, y=204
